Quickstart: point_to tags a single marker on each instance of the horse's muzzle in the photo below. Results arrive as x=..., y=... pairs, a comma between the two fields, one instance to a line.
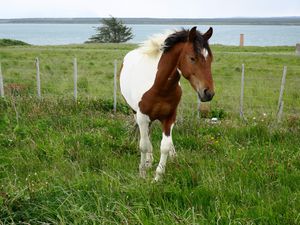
x=206, y=95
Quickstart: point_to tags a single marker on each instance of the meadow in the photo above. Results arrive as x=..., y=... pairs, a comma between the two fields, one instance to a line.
x=66, y=162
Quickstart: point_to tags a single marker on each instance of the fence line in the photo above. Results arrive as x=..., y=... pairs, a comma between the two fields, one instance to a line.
x=215, y=64
x=244, y=83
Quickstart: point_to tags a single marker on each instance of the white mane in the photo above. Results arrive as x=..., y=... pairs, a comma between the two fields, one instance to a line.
x=153, y=46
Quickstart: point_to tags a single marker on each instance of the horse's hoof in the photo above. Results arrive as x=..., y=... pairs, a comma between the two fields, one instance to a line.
x=157, y=178
x=159, y=173
x=142, y=172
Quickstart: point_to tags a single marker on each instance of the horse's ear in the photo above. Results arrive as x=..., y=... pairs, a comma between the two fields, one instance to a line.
x=193, y=34
x=208, y=34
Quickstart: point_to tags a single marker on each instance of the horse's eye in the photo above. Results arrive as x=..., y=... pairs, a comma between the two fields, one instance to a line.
x=193, y=59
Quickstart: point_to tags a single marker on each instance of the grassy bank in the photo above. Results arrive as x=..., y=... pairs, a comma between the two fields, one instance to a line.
x=67, y=163
x=11, y=42
x=78, y=164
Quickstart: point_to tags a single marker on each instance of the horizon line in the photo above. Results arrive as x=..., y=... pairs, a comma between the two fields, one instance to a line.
x=179, y=18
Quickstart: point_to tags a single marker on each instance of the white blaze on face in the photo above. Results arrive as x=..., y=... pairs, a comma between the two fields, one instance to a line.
x=179, y=71
x=204, y=52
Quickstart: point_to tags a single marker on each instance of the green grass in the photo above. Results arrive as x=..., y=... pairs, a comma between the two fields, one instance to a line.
x=263, y=72
x=75, y=164
x=67, y=163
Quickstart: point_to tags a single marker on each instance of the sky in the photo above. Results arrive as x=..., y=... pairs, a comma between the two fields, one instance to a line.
x=149, y=8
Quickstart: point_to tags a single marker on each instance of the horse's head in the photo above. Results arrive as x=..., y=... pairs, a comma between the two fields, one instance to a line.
x=195, y=63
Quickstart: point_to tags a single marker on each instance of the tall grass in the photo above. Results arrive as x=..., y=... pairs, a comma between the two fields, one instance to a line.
x=67, y=163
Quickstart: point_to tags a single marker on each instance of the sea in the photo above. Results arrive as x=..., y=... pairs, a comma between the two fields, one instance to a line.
x=63, y=34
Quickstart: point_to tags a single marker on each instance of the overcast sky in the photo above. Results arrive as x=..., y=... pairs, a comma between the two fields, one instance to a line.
x=149, y=8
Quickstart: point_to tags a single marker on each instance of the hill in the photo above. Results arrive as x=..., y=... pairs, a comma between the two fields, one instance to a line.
x=211, y=21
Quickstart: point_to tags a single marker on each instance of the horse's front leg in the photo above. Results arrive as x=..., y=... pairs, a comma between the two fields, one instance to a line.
x=166, y=148
x=145, y=144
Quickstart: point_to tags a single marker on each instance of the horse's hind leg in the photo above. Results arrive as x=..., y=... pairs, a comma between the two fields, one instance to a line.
x=145, y=144
x=172, y=152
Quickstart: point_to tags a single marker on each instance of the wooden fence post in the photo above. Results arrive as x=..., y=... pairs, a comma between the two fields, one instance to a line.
x=280, y=102
x=242, y=92
x=298, y=49
x=280, y=111
x=1, y=83
x=75, y=78
x=38, y=79
x=115, y=86
x=242, y=40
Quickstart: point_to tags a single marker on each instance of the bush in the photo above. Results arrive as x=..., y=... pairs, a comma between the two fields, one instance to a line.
x=112, y=31
x=10, y=42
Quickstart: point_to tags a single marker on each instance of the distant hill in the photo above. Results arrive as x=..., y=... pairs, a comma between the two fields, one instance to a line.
x=214, y=21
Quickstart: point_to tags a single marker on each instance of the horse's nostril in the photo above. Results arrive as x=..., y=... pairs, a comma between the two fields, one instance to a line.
x=209, y=94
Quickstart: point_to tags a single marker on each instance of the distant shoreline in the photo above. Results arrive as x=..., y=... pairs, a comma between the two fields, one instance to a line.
x=295, y=21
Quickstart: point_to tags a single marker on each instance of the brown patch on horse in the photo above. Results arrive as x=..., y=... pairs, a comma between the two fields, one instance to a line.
x=161, y=100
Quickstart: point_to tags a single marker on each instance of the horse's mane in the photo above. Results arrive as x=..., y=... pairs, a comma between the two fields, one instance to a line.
x=154, y=45
x=164, y=42
x=182, y=36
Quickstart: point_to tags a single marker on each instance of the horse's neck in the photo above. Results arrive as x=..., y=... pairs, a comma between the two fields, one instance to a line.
x=167, y=76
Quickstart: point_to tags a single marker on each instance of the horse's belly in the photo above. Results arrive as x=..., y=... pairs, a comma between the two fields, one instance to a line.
x=137, y=76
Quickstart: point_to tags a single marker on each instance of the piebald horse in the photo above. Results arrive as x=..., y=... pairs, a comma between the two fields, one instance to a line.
x=149, y=82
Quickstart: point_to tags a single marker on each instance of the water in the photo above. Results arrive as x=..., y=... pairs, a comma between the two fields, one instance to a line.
x=59, y=34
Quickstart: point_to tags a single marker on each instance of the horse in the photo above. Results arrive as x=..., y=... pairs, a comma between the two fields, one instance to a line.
x=149, y=83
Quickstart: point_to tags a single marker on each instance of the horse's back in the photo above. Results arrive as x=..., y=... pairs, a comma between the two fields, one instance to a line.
x=137, y=76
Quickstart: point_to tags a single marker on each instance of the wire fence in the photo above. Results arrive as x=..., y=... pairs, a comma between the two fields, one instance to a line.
x=242, y=91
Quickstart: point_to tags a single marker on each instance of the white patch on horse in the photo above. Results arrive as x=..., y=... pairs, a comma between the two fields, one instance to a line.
x=166, y=148
x=204, y=52
x=137, y=75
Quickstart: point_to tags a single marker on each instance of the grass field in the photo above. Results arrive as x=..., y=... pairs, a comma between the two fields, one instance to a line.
x=67, y=163
x=263, y=72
